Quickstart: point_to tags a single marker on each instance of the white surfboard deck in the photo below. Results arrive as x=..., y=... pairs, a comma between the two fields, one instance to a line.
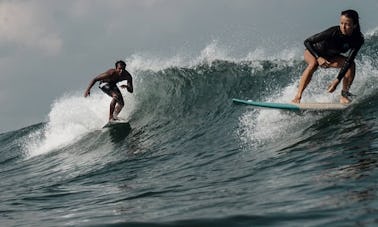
x=119, y=123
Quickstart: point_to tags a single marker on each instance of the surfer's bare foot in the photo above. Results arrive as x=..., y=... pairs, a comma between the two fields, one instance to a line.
x=113, y=119
x=346, y=97
x=332, y=87
x=296, y=100
x=345, y=100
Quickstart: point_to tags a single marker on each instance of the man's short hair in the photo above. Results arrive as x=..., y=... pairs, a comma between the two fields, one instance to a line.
x=120, y=62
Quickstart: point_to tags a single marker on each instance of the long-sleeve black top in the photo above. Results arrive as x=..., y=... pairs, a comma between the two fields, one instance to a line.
x=331, y=43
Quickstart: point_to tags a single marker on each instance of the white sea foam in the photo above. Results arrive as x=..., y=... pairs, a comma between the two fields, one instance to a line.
x=213, y=51
x=371, y=32
x=71, y=117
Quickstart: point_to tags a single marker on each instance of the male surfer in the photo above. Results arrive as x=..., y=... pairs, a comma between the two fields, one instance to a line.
x=324, y=49
x=108, y=84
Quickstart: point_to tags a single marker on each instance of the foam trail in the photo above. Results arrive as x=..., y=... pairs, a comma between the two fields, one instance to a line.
x=72, y=117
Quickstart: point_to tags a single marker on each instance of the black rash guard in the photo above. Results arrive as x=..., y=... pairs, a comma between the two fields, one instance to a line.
x=331, y=43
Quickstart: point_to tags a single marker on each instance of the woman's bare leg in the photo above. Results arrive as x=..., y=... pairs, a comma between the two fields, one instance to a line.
x=312, y=66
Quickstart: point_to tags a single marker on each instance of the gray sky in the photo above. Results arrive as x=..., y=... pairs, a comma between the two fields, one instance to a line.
x=49, y=48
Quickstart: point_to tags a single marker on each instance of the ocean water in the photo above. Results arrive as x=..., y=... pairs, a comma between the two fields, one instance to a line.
x=192, y=158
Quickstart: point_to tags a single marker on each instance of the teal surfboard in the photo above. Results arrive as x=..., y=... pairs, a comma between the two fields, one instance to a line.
x=292, y=106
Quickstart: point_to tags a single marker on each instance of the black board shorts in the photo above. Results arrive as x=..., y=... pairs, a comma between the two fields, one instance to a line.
x=109, y=88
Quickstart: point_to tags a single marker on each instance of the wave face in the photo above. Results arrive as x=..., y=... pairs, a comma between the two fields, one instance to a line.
x=192, y=157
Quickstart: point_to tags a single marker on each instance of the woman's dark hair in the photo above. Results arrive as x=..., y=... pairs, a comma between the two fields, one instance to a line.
x=352, y=14
x=120, y=62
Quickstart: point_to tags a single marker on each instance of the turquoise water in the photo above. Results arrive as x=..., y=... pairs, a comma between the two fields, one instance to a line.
x=193, y=158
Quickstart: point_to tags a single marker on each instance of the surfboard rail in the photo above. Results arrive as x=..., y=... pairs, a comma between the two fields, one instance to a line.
x=293, y=106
